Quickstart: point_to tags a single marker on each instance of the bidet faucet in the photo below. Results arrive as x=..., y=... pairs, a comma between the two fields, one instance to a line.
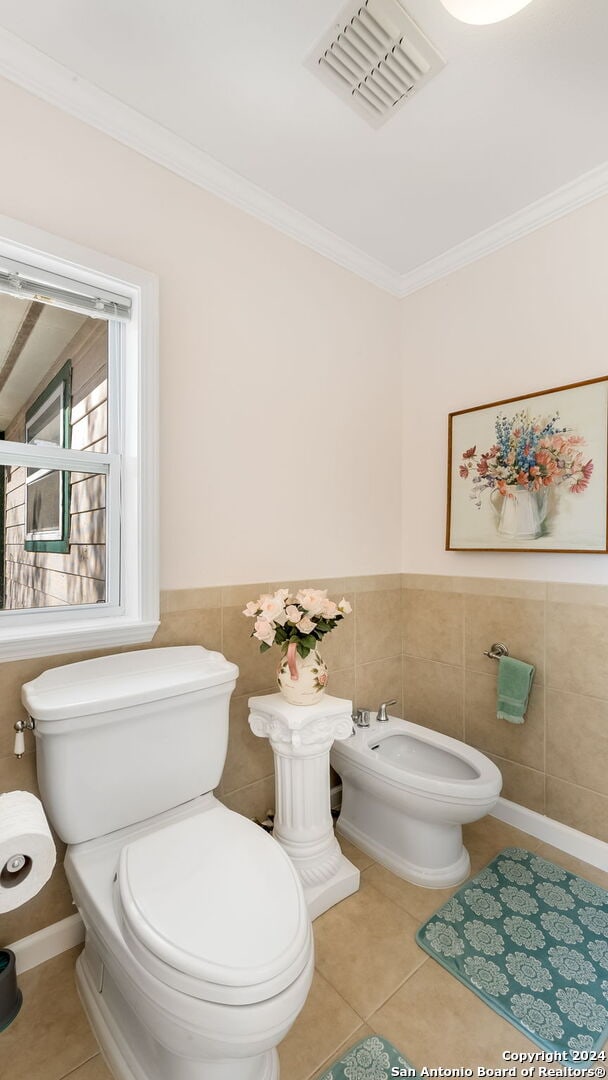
x=382, y=714
x=361, y=717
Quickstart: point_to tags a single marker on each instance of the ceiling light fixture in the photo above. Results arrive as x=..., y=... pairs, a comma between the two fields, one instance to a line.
x=483, y=12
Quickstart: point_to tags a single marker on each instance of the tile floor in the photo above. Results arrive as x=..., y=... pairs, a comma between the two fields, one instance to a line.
x=370, y=977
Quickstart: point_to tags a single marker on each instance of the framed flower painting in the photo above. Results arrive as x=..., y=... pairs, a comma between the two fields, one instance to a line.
x=530, y=473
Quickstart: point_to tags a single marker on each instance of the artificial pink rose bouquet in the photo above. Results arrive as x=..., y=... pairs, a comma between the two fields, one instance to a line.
x=301, y=620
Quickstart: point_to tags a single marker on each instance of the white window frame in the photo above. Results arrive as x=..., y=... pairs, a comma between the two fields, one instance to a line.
x=131, y=612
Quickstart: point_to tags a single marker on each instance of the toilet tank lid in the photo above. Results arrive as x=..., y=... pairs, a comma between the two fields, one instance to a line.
x=108, y=683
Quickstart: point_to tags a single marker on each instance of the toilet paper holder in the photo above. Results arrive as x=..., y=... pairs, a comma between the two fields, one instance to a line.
x=20, y=727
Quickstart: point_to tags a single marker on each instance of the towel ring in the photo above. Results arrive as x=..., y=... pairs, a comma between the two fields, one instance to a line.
x=496, y=651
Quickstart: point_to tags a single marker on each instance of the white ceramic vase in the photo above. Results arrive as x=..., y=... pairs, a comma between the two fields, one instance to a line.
x=301, y=680
x=520, y=512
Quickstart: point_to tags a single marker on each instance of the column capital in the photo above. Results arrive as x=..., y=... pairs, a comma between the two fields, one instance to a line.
x=300, y=727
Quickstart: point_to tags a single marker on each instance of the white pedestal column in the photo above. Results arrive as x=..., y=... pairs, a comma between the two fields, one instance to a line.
x=301, y=737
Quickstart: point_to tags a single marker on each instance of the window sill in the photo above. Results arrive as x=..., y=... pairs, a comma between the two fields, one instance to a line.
x=74, y=637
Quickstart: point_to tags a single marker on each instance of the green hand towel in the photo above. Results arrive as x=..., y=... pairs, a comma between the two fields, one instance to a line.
x=514, y=686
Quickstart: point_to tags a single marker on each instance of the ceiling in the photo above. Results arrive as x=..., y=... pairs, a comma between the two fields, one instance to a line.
x=518, y=112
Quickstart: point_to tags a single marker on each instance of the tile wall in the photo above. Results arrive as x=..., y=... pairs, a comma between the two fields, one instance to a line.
x=363, y=653
x=419, y=639
x=555, y=763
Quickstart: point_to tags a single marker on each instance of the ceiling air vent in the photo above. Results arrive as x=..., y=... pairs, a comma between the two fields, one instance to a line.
x=375, y=57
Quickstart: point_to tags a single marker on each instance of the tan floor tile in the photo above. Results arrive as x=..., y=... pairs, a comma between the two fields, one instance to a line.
x=435, y=1021
x=361, y=1033
x=420, y=903
x=365, y=948
x=324, y=1025
x=485, y=838
x=357, y=857
x=51, y=1035
x=575, y=866
x=95, y=1069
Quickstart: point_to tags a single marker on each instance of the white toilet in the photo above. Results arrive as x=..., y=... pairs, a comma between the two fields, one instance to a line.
x=198, y=954
x=406, y=792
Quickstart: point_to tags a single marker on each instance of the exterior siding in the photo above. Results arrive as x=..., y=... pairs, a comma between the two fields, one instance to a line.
x=45, y=579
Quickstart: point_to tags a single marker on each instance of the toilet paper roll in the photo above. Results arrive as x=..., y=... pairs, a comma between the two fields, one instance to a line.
x=27, y=850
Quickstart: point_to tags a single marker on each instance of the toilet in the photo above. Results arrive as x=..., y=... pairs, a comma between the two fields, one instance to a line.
x=198, y=951
x=406, y=793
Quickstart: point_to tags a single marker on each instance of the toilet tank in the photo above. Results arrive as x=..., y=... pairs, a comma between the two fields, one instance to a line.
x=122, y=738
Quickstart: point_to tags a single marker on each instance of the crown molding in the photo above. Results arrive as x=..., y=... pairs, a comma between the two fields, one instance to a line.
x=31, y=69
x=591, y=185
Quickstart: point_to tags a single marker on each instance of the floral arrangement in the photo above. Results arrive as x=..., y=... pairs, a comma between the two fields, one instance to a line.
x=300, y=620
x=530, y=453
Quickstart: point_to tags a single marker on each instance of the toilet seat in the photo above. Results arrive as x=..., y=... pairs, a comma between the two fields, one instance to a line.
x=197, y=912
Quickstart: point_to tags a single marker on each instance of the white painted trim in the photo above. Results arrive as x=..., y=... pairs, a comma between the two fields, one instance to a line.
x=587, y=848
x=38, y=73
x=584, y=189
x=133, y=498
x=47, y=943
x=53, y=82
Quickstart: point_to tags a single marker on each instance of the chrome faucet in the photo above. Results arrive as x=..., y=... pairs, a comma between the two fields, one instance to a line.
x=382, y=714
x=361, y=717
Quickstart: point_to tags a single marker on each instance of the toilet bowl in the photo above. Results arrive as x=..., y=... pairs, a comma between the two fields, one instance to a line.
x=198, y=949
x=198, y=954
x=406, y=793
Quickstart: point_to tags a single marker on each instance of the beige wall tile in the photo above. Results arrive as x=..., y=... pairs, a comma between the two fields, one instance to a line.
x=199, y=627
x=433, y=625
x=338, y=647
x=518, y=623
x=378, y=624
x=189, y=599
x=524, y=743
x=519, y=589
x=379, y=681
x=433, y=696
x=257, y=670
x=575, y=593
x=53, y=903
x=521, y=784
x=342, y=684
x=325, y=1023
x=577, y=647
x=578, y=807
x=254, y=800
x=249, y=758
x=577, y=739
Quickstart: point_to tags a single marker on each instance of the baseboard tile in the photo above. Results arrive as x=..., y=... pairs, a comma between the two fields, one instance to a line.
x=587, y=848
x=47, y=943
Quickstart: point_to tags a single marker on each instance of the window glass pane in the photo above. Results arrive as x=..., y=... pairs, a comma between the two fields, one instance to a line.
x=53, y=538
x=44, y=507
x=37, y=342
x=46, y=429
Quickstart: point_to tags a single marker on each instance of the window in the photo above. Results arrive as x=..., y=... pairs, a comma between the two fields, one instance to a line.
x=47, y=492
x=78, y=456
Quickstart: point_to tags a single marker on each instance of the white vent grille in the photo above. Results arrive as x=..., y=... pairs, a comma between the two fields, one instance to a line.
x=375, y=57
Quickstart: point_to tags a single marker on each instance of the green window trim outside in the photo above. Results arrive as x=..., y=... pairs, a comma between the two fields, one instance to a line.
x=62, y=378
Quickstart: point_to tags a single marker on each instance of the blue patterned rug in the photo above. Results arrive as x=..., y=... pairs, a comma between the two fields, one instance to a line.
x=373, y=1058
x=531, y=940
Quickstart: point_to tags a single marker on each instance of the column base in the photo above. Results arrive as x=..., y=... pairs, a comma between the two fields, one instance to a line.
x=343, y=882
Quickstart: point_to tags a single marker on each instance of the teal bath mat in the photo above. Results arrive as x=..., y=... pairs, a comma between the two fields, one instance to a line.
x=373, y=1058
x=531, y=940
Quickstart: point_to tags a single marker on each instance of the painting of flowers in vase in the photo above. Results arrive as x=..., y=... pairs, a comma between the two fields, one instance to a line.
x=530, y=473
